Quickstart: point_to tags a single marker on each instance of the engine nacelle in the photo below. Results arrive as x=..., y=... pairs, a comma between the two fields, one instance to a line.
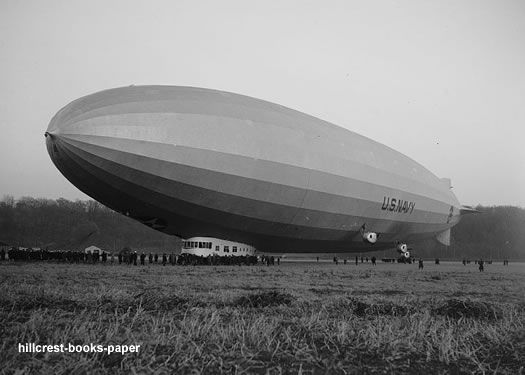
x=406, y=254
x=402, y=248
x=370, y=237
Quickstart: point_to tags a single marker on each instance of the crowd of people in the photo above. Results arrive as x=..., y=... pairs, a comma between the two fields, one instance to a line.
x=183, y=259
x=129, y=257
x=336, y=260
x=135, y=258
x=59, y=256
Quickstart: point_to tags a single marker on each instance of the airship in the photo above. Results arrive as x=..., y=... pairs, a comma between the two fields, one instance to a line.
x=195, y=162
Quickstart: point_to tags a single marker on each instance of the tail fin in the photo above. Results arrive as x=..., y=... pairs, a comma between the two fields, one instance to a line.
x=465, y=210
x=444, y=237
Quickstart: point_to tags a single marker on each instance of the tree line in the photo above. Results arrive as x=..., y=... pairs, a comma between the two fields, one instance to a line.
x=74, y=225
x=497, y=232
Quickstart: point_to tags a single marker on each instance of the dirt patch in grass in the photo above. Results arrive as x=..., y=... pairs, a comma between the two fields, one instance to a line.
x=154, y=302
x=385, y=292
x=29, y=303
x=380, y=308
x=362, y=308
x=457, y=309
x=264, y=299
x=325, y=291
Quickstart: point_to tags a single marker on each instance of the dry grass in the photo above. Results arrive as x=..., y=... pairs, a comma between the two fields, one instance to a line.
x=295, y=318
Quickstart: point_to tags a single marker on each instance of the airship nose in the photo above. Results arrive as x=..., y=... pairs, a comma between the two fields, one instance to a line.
x=51, y=136
x=51, y=145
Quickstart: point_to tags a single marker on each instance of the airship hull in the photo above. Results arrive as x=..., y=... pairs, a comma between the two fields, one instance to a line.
x=196, y=162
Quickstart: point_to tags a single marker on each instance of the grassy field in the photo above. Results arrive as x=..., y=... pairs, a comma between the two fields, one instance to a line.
x=293, y=318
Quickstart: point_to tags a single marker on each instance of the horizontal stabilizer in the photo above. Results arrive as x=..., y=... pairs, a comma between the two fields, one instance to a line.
x=465, y=210
x=444, y=237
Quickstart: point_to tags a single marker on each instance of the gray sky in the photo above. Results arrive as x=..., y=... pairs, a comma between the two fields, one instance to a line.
x=441, y=81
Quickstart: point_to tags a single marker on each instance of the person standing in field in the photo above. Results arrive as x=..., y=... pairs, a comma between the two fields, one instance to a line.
x=481, y=265
x=373, y=260
x=356, y=260
x=420, y=263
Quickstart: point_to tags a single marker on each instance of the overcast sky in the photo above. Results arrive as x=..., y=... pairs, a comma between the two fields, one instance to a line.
x=440, y=81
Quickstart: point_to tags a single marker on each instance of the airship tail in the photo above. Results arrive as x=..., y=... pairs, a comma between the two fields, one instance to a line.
x=465, y=210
